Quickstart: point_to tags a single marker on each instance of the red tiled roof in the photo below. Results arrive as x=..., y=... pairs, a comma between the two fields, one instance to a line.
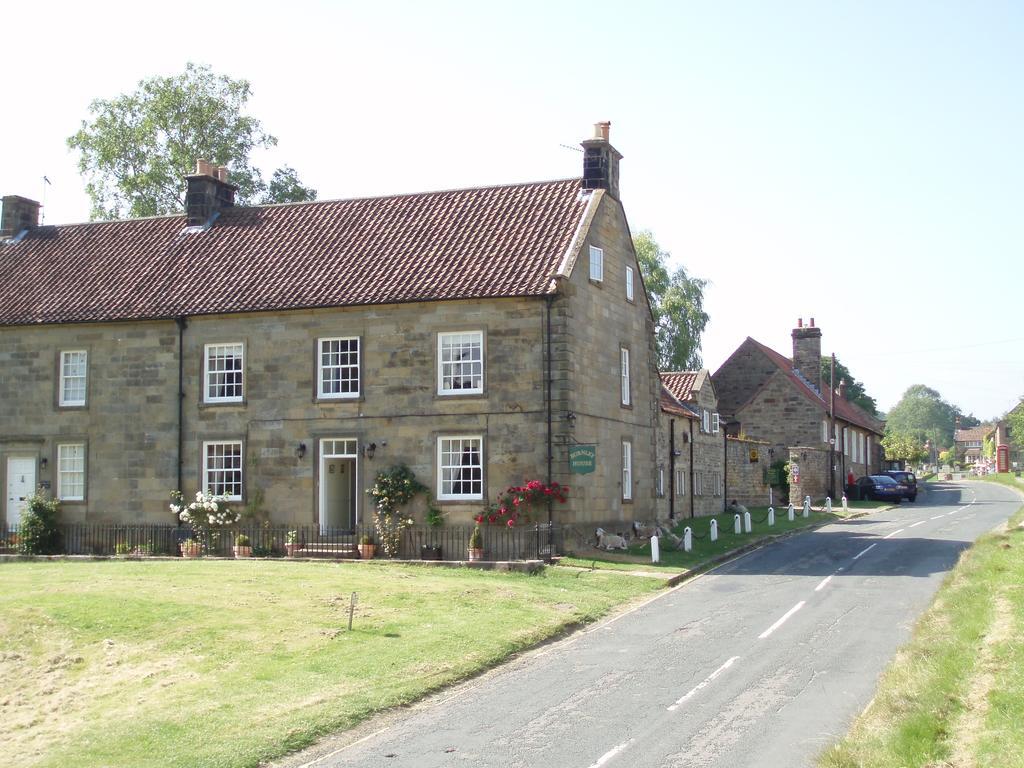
x=680, y=383
x=671, y=404
x=468, y=243
x=845, y=410
x=974, y=433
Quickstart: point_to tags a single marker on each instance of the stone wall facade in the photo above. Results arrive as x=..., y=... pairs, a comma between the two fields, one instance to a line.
x=813, y=479
x=708, y=483
x=747, y=462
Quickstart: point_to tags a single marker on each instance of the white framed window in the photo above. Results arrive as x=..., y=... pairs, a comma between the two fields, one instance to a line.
x=705, y=420
x=222, y=469
x=73, y=371
x=460, y=468
x=624, y=365
x=338, y=367
x=71, y=471
x=596, y=263
x=224, y=366
x=714, y=423
x=867, y=449
x=629, y=283
x=824, y=430
x=627, y=470
x=846, y=441
x=661, y=481
x=460, y=363
x=698, y=484
x=680, y=482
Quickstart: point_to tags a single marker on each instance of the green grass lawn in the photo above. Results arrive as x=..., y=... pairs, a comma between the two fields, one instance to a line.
x=704, y=550
x=221, y=663
x=955, y=695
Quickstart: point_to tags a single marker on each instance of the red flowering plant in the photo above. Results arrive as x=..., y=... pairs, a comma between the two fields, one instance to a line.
x=517, y=502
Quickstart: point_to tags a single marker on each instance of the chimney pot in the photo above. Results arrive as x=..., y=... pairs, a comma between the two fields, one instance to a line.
x=800, y=322
x=602, y=130
x=812, y=322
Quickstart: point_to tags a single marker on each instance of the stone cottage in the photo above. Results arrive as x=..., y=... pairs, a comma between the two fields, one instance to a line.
x=784, y=402
x=282, y=355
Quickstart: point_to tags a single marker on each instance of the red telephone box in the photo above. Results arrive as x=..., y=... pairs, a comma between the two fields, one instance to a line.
x=1003, y=458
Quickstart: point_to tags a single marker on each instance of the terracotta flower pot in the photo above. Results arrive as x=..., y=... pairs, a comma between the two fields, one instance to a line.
x=366, y=551
x=191, y=550
x=243, y=551
x=292, y=550
x=475, y=554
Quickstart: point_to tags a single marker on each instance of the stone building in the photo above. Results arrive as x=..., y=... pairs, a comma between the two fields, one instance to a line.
x=283, y=355
x=704, y=444
x=784, y=402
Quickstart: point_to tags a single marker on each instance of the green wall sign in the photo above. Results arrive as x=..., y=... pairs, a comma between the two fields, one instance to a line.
x=582, y=459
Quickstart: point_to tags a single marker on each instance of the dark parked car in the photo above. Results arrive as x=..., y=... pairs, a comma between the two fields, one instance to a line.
x=907, y=480
x=879, y=488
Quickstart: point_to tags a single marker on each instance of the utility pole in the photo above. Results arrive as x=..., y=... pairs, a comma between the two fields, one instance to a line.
x=832, y=428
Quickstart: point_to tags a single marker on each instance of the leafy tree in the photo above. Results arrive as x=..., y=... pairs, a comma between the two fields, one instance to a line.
x=138, y=146
x=968, y=421
x=901, y=446
x=854, y=389
x=946, y=458
x=1015, y=421
x=924, y=415
x=677, y=302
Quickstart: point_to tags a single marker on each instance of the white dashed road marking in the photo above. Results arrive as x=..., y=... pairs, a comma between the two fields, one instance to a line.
x=704, y=684
x=824, y=581
x=610, y=754
x=782, y=621
x=865, y=551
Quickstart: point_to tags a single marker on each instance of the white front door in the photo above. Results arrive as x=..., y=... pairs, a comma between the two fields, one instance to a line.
x=21, y=483
x=339, y=463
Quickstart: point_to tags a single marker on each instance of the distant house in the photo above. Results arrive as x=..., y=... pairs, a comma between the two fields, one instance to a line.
x=783, y=401
x=282, y=355
x=705, y=444
x=970, y=443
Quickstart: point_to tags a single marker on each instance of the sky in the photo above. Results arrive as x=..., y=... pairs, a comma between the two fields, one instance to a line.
x=856, y=162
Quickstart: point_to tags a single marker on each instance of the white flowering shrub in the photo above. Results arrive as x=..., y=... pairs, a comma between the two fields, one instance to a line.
x=207, y=513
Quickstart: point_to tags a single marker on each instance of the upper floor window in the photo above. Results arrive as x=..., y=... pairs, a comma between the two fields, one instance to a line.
x=73, y=371
x=460, y=367
x=71, y=472
x=222, y=469
x=596, y=263
x=629, y=283
x=715, y=422
x=680, y=488
x=624, y=363
x=705, y=420
x=460, y=469
x=338, y=368
x=224, y=366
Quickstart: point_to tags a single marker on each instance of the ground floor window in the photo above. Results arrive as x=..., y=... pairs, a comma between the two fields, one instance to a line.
x=460, y=469
x=627, y=470
x=680, y=482
x=222, y=469
x=71, y=471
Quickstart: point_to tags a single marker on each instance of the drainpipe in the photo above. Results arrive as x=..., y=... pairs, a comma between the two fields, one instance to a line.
x=692, y=508
x=182, y=324
x=547, y=302
x=725, y=470
x=672, y=469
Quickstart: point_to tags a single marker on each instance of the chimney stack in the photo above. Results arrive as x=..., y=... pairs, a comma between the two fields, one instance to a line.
x=842, y=388
x=807, y=352
x=207, y=192
x=601, y=161
x=18, y=213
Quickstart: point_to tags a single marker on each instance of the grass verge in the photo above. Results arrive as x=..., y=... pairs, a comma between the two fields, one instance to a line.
x=232, y=663
x=954, y=696
x=673, y=561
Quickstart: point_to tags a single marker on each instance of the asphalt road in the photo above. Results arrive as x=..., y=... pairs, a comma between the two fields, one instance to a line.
x=763, y=662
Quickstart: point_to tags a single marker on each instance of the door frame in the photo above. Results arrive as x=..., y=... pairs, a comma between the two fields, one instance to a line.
x=324, y=456
x=34, y=459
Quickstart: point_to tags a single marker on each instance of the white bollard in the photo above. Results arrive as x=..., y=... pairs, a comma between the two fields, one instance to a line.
x=771, y=516
x=655, y=550
x=845, y=507
x=791, y=511
x=714, y=530
x=771, y=500
x=737, y=528
x=807, y=506
x=828, y=504
x=687, y=539
x=746, y=523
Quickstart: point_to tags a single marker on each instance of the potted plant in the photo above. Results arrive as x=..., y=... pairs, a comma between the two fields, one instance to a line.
x=291, y=543
x=435, y=518
x=243, y=548
x=191, y=548
x=476, y=544
x=366, y=547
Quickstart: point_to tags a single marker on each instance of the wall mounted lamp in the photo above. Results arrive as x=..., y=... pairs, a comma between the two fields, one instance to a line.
x=571, y=418
x=369, y=450
x=300, y=451
x=43, y=461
